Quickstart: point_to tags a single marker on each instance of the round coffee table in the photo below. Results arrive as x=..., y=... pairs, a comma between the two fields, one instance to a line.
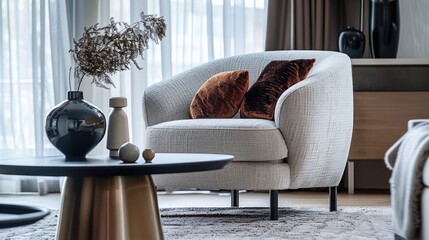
x=103, y=198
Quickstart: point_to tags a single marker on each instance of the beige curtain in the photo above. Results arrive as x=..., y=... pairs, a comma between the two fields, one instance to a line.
x=303, y=24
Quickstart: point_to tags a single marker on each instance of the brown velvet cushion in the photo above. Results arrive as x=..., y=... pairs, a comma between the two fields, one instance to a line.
x=260, y=101
x=220, y=96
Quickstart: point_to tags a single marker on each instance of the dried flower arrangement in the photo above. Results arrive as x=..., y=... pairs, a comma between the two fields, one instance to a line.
x=103, y=51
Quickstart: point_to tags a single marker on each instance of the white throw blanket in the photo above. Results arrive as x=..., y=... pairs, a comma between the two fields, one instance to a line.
x=407, y=158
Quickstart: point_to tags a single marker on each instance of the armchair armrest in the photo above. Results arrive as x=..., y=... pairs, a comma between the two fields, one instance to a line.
x=315, y=117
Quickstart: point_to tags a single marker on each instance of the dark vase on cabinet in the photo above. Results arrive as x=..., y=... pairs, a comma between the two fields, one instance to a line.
x=351, y=41
x=384, y=28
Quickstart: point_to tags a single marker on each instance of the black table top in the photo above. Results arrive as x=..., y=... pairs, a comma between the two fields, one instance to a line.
x=105, y=166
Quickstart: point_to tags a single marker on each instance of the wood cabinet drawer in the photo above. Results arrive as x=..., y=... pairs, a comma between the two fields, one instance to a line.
x=380, y=118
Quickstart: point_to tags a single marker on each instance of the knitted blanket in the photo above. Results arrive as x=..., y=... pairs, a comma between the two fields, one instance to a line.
x=406, y=159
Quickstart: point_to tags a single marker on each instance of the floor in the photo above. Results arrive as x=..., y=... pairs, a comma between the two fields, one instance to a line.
x=222, y=199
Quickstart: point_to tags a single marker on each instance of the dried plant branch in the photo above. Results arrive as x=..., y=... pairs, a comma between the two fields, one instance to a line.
x=103, y=51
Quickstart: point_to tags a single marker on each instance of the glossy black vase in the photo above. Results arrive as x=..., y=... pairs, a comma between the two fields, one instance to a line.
x=75, y=126
x=384, y=28
x=352, y=42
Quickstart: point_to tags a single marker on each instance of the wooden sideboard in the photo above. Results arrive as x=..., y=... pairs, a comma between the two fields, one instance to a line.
x=387, y=93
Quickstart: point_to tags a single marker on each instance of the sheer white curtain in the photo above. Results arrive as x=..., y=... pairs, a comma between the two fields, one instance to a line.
x=35, y=38
x=33, y=50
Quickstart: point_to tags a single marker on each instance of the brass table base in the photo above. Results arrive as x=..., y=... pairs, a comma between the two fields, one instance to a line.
x=117, y=207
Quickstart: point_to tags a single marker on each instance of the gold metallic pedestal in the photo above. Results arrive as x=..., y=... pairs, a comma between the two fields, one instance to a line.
x=119, y=207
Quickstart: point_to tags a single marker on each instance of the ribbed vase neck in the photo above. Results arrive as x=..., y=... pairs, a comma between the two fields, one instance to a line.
x=74, y=95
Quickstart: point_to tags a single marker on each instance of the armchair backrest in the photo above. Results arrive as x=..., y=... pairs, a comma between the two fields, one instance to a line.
x=170, y=99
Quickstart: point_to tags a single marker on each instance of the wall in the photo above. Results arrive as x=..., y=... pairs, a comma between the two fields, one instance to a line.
x=414, y=32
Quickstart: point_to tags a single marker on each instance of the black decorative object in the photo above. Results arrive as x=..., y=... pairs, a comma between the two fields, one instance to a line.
x=352, y=41
x=75, y=126
x=384, y=28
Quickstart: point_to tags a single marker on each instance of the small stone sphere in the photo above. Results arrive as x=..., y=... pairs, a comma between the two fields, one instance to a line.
x=148, y=155
x=129, y=153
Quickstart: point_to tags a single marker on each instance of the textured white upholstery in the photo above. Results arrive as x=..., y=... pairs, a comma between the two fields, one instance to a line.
x=425, y=214
x=426, y=174
x=235, y=175
x=315, y=118
x=246, y=139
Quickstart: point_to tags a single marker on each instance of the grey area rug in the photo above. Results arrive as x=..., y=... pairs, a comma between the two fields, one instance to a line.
x=249, y=223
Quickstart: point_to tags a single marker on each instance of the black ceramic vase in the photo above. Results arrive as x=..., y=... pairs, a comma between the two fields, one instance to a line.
x=352, y=42
x=75, y=126
x=384, y=28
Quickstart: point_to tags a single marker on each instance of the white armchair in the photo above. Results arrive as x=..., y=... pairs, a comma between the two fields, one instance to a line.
x=306, y=146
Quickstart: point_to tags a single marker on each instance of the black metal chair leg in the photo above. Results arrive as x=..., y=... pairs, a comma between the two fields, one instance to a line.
x=234, y=198
x=332, y=199
x=274, y=204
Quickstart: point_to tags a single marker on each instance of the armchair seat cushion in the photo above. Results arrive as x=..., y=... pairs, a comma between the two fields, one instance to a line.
x=247, y=139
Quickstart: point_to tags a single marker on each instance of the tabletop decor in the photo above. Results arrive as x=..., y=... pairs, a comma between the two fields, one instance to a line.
x=76, y=126
x=117, y=132
x=148, y=155
x=129, y=153
x=103, y=51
